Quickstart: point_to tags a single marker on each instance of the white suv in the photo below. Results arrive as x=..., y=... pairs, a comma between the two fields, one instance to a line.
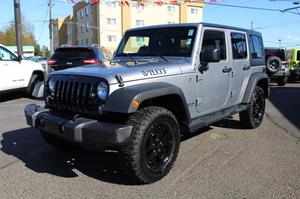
x=18, y=74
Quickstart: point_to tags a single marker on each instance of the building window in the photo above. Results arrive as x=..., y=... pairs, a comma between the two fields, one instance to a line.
x=111, y=38
x=111, y=21
x=194, y=11
x=82, y=13
x=171, y=9
x=139, y=23
x=87, y=26
x=86, y=11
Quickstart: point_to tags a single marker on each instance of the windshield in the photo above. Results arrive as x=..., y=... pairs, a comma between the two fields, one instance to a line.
x=171, y=41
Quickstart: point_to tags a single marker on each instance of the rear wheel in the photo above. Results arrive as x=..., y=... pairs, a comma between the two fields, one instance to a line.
x=153, y=146
x=252, y=117
x=282, y=81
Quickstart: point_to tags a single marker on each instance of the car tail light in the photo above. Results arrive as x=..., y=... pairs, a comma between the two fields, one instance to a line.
x=90, y=61
x=52, y=62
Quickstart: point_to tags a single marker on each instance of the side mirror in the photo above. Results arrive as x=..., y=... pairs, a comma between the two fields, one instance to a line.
x=210, y=55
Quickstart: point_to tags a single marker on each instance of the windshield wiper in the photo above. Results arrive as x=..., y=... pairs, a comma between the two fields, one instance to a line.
x=130, y=58
x=163, y=58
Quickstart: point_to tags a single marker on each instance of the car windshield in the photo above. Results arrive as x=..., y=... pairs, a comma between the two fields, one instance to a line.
x=73, y=54
x=171, y=41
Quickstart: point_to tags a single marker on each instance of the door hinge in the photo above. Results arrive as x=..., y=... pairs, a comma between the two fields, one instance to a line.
x=198, y=101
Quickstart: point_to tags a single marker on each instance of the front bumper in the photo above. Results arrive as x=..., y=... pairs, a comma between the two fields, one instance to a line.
x=86, y=132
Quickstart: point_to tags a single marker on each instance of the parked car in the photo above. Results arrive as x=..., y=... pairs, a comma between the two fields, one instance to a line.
x=167, y=80
x=41, y=60
x=294, y=64
x=68, y=56
x=17, y=73
x=277, y=65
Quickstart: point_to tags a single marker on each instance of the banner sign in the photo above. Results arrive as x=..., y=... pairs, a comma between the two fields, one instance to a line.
x=143, y=2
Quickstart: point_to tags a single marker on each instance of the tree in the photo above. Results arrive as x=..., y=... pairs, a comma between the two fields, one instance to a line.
x=46, y=51
x=8, y=36
x=37, y=50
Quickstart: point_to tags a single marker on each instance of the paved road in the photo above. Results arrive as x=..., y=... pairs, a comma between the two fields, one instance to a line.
x=221, y=161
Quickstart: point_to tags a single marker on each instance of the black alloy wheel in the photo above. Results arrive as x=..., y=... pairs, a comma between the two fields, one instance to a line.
x=159, y=146
x=252, y=117
x=152, y=148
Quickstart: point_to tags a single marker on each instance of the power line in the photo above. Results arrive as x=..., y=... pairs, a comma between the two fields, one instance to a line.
x=252, y=8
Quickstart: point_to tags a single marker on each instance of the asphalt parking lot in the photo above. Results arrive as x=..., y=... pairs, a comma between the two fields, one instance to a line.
x=220, y=161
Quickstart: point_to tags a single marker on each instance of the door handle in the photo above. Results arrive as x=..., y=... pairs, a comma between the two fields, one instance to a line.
x=227, y=70
x=246, y=68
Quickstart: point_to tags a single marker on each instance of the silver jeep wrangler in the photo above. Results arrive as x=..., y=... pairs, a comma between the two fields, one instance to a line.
x=164, y=81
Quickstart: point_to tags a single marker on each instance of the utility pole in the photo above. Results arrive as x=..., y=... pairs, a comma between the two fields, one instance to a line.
x=18, y=27
x=279, y=40
x=251, y=25
x=50, y=25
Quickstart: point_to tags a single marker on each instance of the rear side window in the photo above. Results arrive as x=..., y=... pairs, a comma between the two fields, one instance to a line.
x=73, y=54
x=257, y=47
x=239, y=46
x=215, y=39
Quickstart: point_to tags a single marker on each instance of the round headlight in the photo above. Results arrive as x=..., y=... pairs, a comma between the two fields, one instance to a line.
x=102, y=91
x=51, y=85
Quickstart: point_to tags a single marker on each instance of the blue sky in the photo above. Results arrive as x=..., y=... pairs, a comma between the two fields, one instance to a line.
x=273, y=25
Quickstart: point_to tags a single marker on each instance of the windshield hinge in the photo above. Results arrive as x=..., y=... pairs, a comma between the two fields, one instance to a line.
x=119, y=79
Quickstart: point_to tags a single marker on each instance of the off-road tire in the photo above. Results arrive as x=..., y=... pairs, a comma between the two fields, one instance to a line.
x=56, y=142
x=250, y=118
x=273, y=64
x=282, y=81
x=133, y=155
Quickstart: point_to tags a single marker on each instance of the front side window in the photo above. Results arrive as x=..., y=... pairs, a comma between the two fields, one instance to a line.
x=239, y=46
x=257, y=47
x=5, y=55
x=215, y=39
x=171, y=41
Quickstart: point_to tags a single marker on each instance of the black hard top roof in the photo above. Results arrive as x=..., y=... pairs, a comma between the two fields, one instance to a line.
x=197, y=24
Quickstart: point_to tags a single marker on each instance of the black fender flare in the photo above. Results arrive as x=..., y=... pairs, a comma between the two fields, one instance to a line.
x=121, y=100
x=253, y=81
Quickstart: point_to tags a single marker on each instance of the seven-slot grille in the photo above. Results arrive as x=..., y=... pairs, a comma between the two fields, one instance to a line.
x=75, y=94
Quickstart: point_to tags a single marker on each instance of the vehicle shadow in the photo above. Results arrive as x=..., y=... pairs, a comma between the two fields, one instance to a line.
x=11, y=96
x=287, y=100
x=28, y=146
